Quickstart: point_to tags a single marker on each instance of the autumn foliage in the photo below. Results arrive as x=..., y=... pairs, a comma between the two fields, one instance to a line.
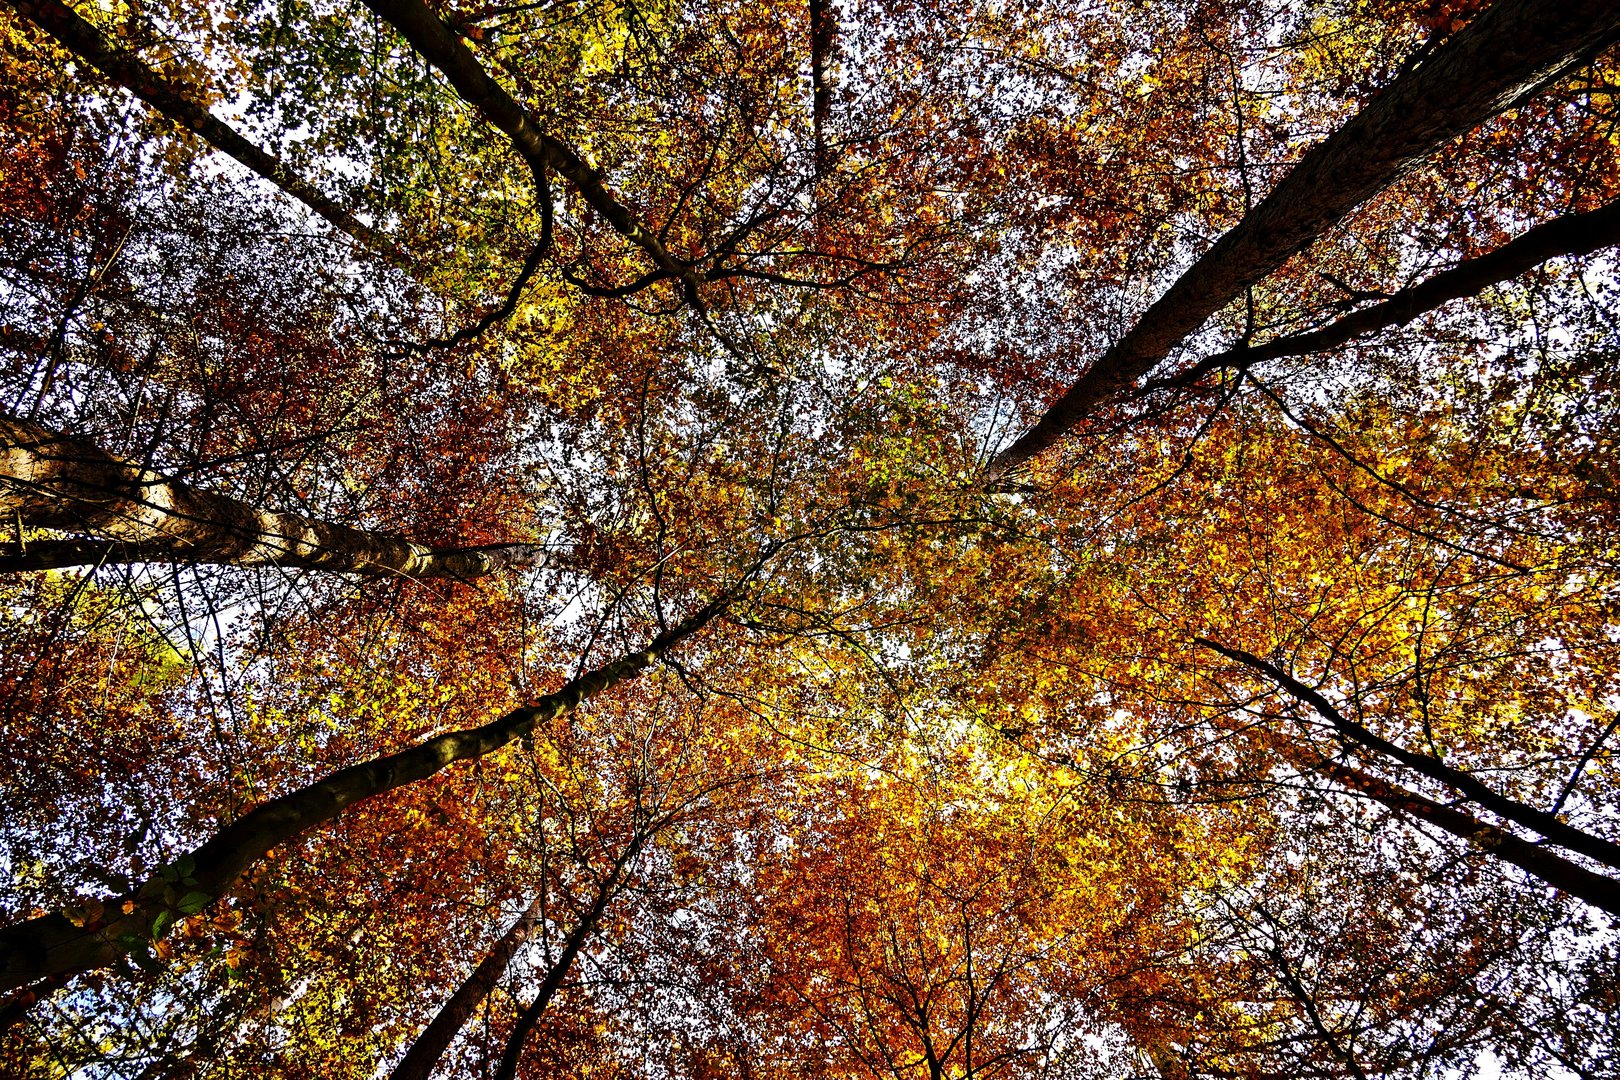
x=694, y=539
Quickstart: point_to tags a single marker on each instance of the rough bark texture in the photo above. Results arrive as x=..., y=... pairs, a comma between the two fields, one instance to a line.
x=1548, y=825
x=419, y=1061
x=127, y=70
x=54, y=945
x=1564, y=237
x=1504, y=55
x=53, y=481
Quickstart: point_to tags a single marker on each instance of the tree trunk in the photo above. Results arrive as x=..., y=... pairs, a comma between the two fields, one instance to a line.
x=1596, y=889
x=823, y=43
x=443, y=48
x=57, y=944
x=127, y=70
x=1507, y=53
x=588, y=922
x=1564, y=237
x=1548, y=825
x=53, y=481
x=436, y=1038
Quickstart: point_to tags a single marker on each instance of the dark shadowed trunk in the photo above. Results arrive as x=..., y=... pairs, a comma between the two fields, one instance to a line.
x=1596, y=889
x=441, y=47
x=589, y=920
x=1509, y=52
x=1547, y=824
x=419, y=1061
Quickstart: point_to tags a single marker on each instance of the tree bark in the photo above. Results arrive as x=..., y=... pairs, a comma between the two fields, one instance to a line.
x=1504, y=55
x=823, y=44
x=419, y=1061
x=1596, y=889
x=55, y=944
x=53, y=481
x=127, y=70
x=1548, y=825
x=1565, y=237
x=588, y=922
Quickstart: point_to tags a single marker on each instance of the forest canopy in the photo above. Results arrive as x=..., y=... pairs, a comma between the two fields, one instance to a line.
x=684, y=539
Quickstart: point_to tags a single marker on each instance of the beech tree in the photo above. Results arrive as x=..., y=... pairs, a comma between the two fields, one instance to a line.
x=61, y=483
x=710, y=538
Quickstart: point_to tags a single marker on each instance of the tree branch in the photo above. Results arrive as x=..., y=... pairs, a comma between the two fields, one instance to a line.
x=1596, y=889
x=1505, y=55
x=1548, y=825
x=127, y=70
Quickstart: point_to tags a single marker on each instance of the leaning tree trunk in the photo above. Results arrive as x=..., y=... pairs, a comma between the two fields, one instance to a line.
x=49, y=480
x=589, y=919
x=175, y=102
x=67, y=943
x=444, y=49
x=1570, y=236
x=424, y=1054
x=1511, y=51
x=1351, y=732
x=1596, y=889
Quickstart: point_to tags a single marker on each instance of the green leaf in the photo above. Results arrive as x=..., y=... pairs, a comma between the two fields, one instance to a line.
x=161, y=924
x=193, y=902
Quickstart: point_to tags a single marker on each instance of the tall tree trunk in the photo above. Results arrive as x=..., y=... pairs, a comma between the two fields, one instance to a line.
x=53, y=481
x=823, y=43
x=1564, y=237
x=606, y=890
x=1596, y=889
x=1548, y=825
x=57, y=944
x=441, y=47
x=127, y=70
x=419, y=1061
x=1507, y=53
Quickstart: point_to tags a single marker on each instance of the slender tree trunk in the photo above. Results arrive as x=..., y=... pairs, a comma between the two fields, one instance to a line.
x=443, y=48
x=429, y=1047
x=1509, y=52
x=1564, y=237
x=53, y=481
x=127, y=70
x=588, y=922
x=1548, y=825
x=1596, y=889
x=57, y=944
x=823, y=42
